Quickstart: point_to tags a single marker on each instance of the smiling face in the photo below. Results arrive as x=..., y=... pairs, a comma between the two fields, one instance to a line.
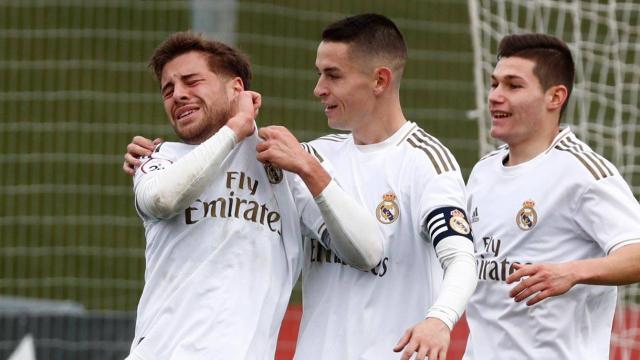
x=345, y=86
x=196, y=99
x=517, y=102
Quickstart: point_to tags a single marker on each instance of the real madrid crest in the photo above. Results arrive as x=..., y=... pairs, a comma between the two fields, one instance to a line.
x=458, y=223
x=527, y=217
x=388, y=210
x=274, y=174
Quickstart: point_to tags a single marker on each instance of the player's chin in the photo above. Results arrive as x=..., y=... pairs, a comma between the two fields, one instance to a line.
x=336, y=123
x=499, y=133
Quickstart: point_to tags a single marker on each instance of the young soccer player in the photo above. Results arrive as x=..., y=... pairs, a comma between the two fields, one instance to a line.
x=551, y=219
x=413, y=185
x=223, y=230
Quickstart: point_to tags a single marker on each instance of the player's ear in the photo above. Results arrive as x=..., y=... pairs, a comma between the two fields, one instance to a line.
x=556, y=97
x=383, y=78
x=234, y=86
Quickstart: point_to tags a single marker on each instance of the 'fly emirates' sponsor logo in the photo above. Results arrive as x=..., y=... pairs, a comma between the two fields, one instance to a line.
x=235, y=206
x=489, y=264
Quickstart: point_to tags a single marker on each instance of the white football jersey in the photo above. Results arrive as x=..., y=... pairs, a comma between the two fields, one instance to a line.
x=568, y=203
x=353, y=314
x=219, y=274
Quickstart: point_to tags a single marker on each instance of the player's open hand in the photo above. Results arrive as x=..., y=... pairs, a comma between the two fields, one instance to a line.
x=430, y=337
x=541, y=281
x=138, y=147
x=245, y=109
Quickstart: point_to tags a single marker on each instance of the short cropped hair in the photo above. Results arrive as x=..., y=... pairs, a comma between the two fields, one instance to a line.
x=371, y=35
x=553, y=61
x=221, y=58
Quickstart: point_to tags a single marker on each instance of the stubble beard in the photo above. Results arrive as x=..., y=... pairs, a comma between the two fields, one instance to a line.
x=212, y=121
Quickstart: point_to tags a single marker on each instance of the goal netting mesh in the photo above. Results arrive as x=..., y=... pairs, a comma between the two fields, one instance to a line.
x=604, y=37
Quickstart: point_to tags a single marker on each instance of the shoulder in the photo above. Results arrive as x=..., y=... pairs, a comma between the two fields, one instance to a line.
x=328, y=144
x=427, y=150
x=163, y=155
x=577, y=156
x=500, y=152
x=313, y=151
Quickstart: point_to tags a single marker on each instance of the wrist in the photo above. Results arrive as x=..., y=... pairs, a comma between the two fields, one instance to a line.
x=578, y=273
x=443, y=324
x=238, y=124
x=314, y=176
x=228, y=132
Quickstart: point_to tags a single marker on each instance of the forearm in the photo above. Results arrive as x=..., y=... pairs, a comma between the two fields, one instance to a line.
x=165, y=194
x=621, y=267
x=355, y=236
x=460, y=279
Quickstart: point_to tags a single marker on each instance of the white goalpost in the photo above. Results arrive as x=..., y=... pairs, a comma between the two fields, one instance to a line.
x=604, y=37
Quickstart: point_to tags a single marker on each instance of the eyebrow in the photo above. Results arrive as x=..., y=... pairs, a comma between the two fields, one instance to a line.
x=182, y=77
x=508, y=77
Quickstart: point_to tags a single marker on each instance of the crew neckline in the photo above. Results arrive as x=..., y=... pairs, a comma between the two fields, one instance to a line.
x=390, y=141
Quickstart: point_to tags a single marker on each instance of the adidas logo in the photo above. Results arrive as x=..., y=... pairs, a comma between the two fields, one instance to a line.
x=474, y=215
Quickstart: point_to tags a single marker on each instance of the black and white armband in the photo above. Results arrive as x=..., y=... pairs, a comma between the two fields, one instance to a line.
x=445, y=222
x=450, y=233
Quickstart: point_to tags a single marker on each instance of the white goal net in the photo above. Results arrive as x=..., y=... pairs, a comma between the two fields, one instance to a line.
x=604, y=37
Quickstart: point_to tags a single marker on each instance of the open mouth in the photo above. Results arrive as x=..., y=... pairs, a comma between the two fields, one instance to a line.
x=184, y=112
x=500, y=114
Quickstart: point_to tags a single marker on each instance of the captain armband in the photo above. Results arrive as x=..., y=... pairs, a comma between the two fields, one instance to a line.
x=447, y=221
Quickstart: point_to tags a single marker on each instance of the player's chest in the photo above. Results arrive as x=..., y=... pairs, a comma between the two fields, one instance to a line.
x=525, y=214
x=243, y=189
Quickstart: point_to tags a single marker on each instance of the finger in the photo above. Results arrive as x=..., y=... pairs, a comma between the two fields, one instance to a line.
x=137, y=150
x=131, y=161
x=143, y=142
x=264, y=132
x=245, y=103
x=541, y=296
x=127, y=169
x=262, y=146
x=522, y=285
x=529, y=282
x=525, y=270
x=528, y=292
x=256, y=99
x=264, y=156
x=403, y=341
x=409, y=350
x=442, y=354
x=433, y=354
x=422, y=352
x=157, y=141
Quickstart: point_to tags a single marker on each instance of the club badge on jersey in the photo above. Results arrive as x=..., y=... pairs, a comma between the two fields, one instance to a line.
x=527, y=217
x=458, y=223
x=274, y=173
x=388, y=211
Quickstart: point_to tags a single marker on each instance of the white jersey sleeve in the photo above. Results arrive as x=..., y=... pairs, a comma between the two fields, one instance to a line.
x=606, y=202
x=162, y=188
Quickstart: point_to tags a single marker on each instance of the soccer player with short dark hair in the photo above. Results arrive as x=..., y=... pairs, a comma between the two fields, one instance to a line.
x=551, y=218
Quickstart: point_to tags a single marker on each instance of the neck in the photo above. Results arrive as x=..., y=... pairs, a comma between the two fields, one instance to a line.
x=526, y=150
x=382, y=123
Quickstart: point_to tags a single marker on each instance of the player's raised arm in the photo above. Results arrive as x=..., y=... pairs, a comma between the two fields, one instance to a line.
x=352, y=231
x=162, y=194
